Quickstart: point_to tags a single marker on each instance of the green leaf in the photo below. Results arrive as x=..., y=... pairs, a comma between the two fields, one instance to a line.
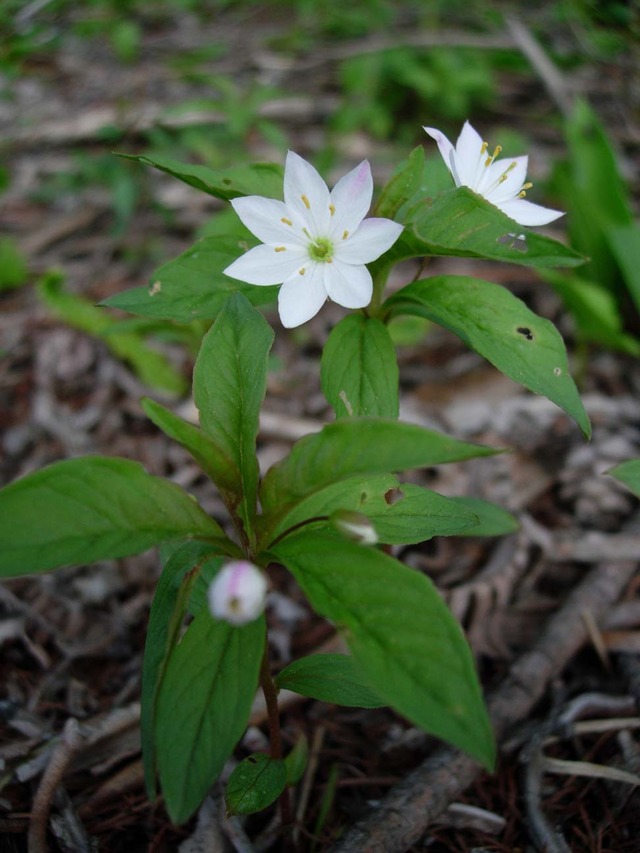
x=213, y=460
x=492, y=519
x=255, y=783
x=359, y=371
x=193, y=286
x=419, y=514
x=94, y=508
x=351, y=494
x=229, y=384
x=594, y=309
x=254, y=178
x=628, y=473
x=460, y=223
x=624, y=242
x=400, y=633
x=402, y=185
x=203, y=707
x=165, y=620
x=329, y=678
x=493, y=322
x=14, y=271
x=296, y=761
x=150, y=365
x=354, y=447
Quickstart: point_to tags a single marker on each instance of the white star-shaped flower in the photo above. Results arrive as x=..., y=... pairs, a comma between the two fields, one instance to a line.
x=238, y=592
x=499, y=181
x=316, y=242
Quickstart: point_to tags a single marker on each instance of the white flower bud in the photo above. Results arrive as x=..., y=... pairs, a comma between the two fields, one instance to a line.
x=355, y=526
x=238, y=592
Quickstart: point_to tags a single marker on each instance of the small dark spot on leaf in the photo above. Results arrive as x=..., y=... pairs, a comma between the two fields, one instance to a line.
x=252, y=759
x=393, y=496
x=524, y=330
x=514, y=241
x=227, y=181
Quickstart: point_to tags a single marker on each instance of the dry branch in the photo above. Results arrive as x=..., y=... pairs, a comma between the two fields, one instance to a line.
x=408, y=809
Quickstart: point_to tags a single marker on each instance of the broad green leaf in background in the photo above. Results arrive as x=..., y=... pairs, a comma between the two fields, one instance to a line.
x=499, y=326
x=193, y=286
x=150, y=365
x=461, y=223
x=329, y=678
x=492, y=519
x=359, y=371
x=252, y=179
x=296, y=760
x=229, y=384
x=255, y=783
x=94, y=508
x=624, y=242
x=203, y=706
x=402, y=185
x=594, y=309
x=14, y=271
x=352, y=447
x=213, y=460
x=629, y=474
x=418, y=514
x=165, y=621
x=409, y=646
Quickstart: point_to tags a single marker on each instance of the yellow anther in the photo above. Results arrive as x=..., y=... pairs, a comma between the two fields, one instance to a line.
x=521, y=194
x=306, y=202
x=301, y=271
x=345, y=234
x=281, y=248
x=484, y=147
x=332, y=209
x=527, y=186
x=286, y=221
x=496, y=151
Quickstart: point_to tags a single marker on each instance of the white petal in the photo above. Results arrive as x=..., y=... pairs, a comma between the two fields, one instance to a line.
x=470, y=157
x=348, y=285
x=527, y=213
x=446, y=150
x=306, y=194
x=351, y=200
x=263, y=265
x=267, y=218
x=373, y=237
x=496, y=190
x=302, y=296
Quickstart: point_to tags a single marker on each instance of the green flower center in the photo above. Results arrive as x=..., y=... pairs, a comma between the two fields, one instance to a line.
x=321, y=250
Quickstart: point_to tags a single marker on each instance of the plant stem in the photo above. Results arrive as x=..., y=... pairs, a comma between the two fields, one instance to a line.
x=275, y=735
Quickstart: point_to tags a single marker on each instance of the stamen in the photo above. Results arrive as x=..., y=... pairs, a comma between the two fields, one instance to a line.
x=306, y=202
x=306, y=233
x=483, y=148
x=301, y=271
x=332, y=209
x=527, y=186
x=496, y=151
x=286, y=221
x=281, y=248
x=345, y=234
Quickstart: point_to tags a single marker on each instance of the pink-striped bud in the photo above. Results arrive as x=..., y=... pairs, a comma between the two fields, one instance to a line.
x=238, y=592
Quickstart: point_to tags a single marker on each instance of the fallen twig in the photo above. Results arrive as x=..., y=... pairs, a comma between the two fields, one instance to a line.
x=408, y=809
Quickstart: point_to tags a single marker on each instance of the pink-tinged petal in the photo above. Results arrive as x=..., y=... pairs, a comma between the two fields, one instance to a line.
x=350, y=200
x=527, y=213
x=263, y=265
x=470, y=158
x=306, y=194
x=372, y=239
x=302, y=296
x=268, y=219
x=446, y=150
x=348, y=285
x=496, y=189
